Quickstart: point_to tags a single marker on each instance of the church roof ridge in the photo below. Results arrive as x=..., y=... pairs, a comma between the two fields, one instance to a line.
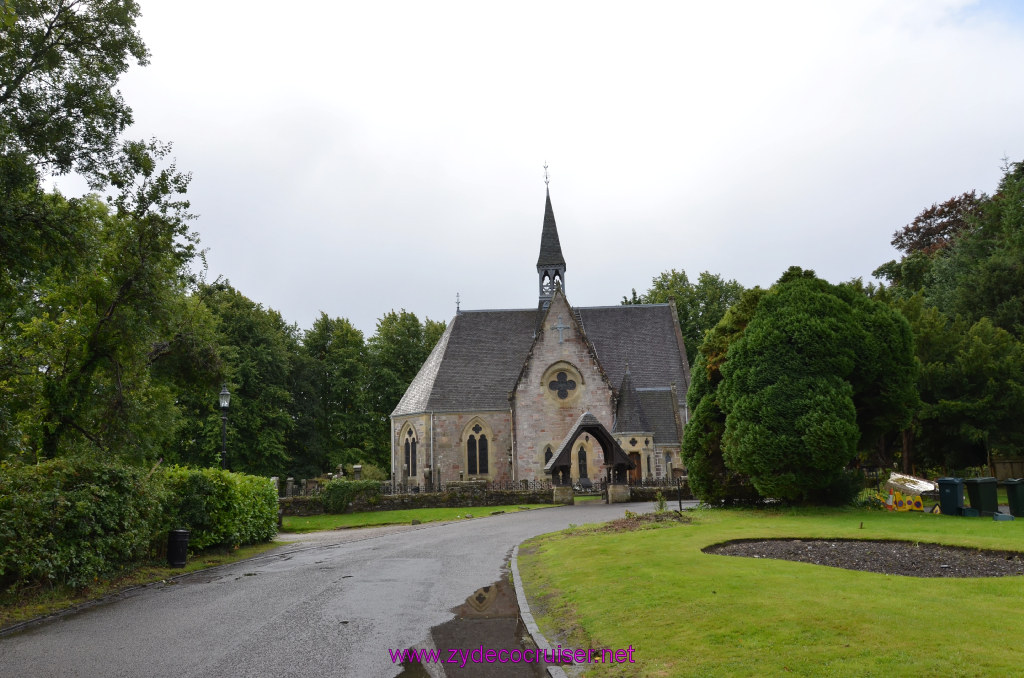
x=575, y=308
x=664, y=304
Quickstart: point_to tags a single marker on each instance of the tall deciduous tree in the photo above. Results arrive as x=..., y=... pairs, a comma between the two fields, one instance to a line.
x=329, y=393
x=395, y=354
x=258, y=350
x=86, y=333
x=972, y=390
x=60, y=61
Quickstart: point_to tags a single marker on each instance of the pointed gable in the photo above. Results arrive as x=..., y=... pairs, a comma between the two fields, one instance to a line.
x=558, y=323
x=629, y=415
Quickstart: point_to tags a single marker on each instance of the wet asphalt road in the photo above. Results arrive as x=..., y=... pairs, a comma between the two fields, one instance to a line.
x=329, y=605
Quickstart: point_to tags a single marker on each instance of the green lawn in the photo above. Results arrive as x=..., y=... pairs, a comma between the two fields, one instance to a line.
x=688, y=613
x=427, y=515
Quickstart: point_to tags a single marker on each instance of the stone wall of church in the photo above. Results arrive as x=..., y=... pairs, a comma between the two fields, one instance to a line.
x=562, y=380
x=451, y=432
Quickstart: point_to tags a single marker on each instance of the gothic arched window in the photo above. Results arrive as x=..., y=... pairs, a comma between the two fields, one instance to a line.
x=410, y=452
x=547, y=455
x=471, y=456
x=477, y=457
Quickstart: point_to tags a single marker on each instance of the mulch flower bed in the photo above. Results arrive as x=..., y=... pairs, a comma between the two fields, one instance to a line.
x=886, y=557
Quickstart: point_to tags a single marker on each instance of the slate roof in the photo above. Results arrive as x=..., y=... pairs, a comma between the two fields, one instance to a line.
x=478, y=359
x=474, y=365
x=645, y=337
x=657, y=404
x=629, y=415
x=550, y=248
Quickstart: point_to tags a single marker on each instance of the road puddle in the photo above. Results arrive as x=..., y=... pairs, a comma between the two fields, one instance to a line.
x=486, y=638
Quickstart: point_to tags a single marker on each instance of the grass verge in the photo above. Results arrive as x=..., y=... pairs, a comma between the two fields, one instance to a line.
x=688, y=613
x=331, y=521
x=30, y=603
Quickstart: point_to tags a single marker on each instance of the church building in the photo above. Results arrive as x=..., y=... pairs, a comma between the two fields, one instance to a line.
x=504, y=391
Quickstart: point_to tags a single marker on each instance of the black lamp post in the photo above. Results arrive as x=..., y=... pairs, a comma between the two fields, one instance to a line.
x=225, y=400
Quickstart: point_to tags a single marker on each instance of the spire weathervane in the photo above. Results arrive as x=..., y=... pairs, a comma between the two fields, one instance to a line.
x=457, y=301
x=546, y=173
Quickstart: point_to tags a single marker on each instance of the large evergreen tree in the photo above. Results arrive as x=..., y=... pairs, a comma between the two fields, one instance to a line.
x=788, y=384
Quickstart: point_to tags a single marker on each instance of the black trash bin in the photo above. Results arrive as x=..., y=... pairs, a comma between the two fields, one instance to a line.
x=177, y=548
x=951, y=496
x=1015, y=496
x=982, y=494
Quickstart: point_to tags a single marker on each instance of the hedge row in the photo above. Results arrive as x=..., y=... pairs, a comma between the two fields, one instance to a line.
x=337, y=495
x=72, y=521
x=221, y=508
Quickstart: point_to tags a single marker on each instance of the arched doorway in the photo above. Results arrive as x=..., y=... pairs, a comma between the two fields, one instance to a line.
x=637, y=472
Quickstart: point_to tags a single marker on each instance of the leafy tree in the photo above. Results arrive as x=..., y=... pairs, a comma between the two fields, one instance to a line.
x=981, y=274
x=258, y=351
x=699, y=305
x=329, y=393
x=709, y=477
x=395, y=354
x=59, y=65
x=972, y=390
x=790, y=421
x=86, y=332
x=937, y=227
x=884, y=379
x=965, y=255
x=786, y=385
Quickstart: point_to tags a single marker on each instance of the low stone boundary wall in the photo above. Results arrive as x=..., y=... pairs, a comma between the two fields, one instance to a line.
x=449, y=500
x=670, y=493
x=301, y=506
x=309, y=506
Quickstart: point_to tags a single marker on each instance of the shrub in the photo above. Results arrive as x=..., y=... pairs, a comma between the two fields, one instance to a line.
x=72, y=520
x=220, y=508
x=338, y=494
x=369, y=472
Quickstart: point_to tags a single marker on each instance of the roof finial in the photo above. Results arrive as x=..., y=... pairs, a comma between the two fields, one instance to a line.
x=546, y=173
x=457, y=302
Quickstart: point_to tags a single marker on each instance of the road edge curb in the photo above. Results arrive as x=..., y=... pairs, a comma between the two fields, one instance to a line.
x=527, y=617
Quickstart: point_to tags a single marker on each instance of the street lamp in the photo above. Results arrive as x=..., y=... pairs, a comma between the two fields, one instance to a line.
x=225, y=400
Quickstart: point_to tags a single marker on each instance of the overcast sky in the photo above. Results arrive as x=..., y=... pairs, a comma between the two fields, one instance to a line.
x=358, y=157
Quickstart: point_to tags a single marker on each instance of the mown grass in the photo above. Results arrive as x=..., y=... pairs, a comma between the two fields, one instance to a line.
x=30, y=603
x=300, y=524
x=688, y=613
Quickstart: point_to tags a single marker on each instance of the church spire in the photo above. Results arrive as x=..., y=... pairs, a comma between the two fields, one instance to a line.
x=550, y=262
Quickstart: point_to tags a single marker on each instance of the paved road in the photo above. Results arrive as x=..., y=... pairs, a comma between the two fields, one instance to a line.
x=329, y=605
